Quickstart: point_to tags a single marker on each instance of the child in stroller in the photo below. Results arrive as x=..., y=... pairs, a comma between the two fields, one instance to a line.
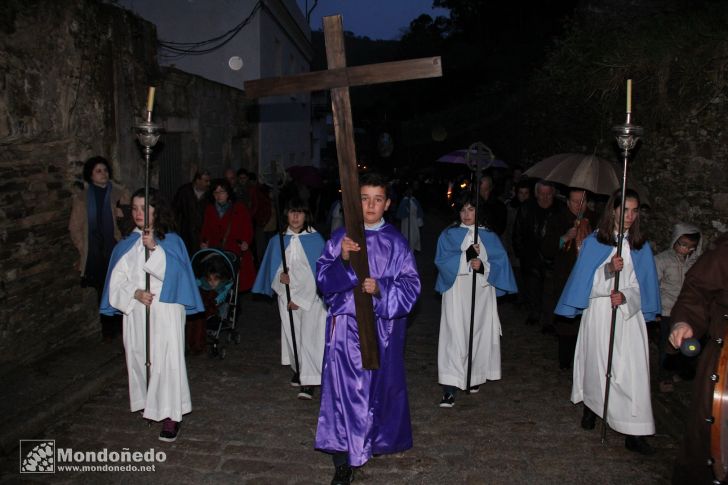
x=217, y=279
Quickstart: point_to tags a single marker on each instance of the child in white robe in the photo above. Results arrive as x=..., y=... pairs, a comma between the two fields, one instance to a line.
x=303, y=247
x=591, y=288
x=172, y=293
x=457, y=259
x=411, y=219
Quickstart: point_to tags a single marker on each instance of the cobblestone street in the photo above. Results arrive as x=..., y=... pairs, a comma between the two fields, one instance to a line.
x=248, y=427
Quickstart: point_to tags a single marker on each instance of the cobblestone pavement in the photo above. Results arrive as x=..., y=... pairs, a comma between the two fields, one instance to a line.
x=248, y=427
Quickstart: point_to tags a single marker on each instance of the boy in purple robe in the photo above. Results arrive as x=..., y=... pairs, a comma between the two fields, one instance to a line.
x=366, y=412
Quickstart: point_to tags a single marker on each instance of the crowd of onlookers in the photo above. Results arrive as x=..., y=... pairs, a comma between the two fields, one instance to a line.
x=561, y=243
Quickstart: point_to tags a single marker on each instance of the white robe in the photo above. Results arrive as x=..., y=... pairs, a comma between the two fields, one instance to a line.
x=452, y=351
x=630, y=408
x=309, y=321
x=410, y=226
x=168, y=395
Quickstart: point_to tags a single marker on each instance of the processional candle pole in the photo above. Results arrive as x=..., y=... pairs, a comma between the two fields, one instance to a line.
x=627, y=136
x=147, y=134
x=477, y=153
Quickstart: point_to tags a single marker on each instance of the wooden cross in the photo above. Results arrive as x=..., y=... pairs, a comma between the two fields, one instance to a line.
x=338, y=78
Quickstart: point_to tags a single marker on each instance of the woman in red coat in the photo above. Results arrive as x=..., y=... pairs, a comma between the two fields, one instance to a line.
x=227, y=225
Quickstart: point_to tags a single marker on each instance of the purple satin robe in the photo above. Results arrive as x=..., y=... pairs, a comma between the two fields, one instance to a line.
x=366, y=412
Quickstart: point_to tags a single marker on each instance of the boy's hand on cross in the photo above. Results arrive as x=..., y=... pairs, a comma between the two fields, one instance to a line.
x=370, y=286
x=347, y=246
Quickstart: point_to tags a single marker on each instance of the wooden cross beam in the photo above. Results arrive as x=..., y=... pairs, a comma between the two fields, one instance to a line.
x=338, y=78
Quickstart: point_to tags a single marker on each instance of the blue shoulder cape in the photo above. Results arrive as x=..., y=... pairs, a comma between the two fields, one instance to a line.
x=575, y=297
x=447, y=260
x=179, y=280
x=403, y=209
x=313, y=245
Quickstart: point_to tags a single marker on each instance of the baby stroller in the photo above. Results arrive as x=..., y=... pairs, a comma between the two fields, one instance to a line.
x=216, y=272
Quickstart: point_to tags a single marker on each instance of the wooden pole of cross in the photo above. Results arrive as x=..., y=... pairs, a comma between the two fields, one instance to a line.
x=338, y=78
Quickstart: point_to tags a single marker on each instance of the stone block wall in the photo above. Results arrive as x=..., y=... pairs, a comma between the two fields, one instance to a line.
x=73, y=82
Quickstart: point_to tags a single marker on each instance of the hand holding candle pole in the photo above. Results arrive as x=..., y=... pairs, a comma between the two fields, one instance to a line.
x=150, y=99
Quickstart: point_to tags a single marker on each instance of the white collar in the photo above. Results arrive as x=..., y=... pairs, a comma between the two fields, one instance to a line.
x=376, y=226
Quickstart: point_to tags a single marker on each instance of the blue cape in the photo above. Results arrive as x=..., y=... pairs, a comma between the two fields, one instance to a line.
x=313, y=245
x=448, y=254
x=575, y=297
x=403, y=209
x=179, y=280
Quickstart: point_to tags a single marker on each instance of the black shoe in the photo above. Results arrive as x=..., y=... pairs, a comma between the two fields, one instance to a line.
x=588, y=419
x=638, y=444
x=474, y=389
x=306, y=393
x=295, y=381
x=344, y=475
x=170, y=431
x=448, y=400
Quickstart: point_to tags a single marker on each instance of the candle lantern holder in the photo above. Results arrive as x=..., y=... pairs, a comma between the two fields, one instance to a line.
x=148, y=135
x=627, y=135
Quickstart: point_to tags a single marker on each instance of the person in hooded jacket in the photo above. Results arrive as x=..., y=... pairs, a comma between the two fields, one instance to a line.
x=686, y=246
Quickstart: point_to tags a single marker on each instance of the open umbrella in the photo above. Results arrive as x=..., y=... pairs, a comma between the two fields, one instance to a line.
x=461, y=157
x=589, y=172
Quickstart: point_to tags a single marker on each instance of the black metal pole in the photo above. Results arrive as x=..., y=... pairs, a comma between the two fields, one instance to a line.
x=147, y=283
x=276, y=207
x=475, y=276
x=620, y=239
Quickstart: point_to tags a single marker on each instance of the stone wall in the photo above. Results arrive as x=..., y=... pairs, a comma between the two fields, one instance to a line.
x=73, y=84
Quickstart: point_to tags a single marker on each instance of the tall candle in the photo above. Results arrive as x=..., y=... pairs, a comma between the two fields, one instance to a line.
x=150, y=99
x=629, y=95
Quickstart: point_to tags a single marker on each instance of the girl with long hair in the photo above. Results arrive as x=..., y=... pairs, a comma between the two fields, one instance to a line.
x=172, y=294
x=590, y=289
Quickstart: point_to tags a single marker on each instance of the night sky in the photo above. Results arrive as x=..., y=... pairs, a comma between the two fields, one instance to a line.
x=376, y=19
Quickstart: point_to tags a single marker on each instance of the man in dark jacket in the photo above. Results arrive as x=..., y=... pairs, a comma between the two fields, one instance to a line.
x=189, y=208
x=536, y=270
x=493, y=210
x=701, y=310
x=565, y=232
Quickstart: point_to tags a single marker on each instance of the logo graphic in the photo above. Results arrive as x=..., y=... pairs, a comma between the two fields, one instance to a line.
x=37, y=456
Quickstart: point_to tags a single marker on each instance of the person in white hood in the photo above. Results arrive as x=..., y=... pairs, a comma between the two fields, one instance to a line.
x=672, y=264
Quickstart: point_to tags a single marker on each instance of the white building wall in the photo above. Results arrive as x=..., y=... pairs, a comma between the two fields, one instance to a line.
x=276, y=42
x=285, y=120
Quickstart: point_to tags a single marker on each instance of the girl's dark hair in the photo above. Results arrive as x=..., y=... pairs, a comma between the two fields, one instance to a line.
x=605, y=229
x=463, y=199
x=223, y=184
x=295, y=204
x=163, y=216
x=88, y=167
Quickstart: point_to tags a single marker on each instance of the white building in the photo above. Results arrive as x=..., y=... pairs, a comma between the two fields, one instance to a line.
x=272, y=39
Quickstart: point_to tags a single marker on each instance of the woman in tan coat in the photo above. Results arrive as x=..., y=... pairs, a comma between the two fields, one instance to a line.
x=94, y=227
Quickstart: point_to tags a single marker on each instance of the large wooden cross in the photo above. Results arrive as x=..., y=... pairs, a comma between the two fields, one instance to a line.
x=338, y=78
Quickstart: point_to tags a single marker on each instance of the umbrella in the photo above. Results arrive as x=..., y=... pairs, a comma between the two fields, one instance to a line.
x=589, y=172
x=460, y=156
x=307, y=175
